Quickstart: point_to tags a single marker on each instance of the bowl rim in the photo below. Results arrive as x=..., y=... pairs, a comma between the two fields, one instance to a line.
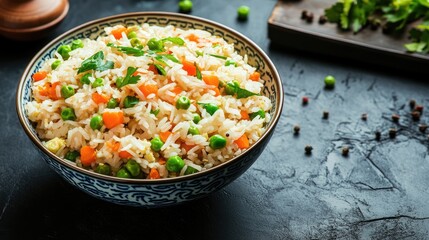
x=36, y=141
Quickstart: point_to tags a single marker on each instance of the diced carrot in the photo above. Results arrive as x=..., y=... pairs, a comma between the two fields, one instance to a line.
x=113, y=119
x=177, y=90
x=164, y=135
x=211, y=80
x=87, y=155
x=113, y=145
x=44, y=91
x=242, y=142
x=192, y=37
x=53, y=91
x=125, y=154
x=148, y=89
x=154, y=174
x=190, y=68
x=153, y=68
x=40, y=75
x=99, y=98
x=244, y=115
x=137, y=73
x=117, y=33
x=162, y=161
x=187, y=147
x=255, y=76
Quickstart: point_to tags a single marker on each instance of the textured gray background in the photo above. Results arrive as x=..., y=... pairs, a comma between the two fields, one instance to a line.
x=379, y=192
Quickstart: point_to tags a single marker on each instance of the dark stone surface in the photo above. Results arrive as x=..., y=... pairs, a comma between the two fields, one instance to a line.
x=379, y=191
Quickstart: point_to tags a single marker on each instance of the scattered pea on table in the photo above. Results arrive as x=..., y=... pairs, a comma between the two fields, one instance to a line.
x=243, y=12
x=330, y=81
x=185, y=6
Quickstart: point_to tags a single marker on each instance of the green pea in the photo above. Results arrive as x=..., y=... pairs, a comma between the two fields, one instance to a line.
x=217, y=141
x=72, y=155
x=133, y=167
x=259, y=113
x=76, y=44
x=103, y=168
x=136, y=43
x=243, y=12
x=56, y=64
x=112, y=103
x=193, y=130
x=68, y=114
x=155, y=45
x=330, y=81
x=98, y=82
x=190, y=170
x=64, y=51
x=130, y=101
x=131, y=35
x=154, y=112
x=183, y=102
x=85, y=79
x=67, y=91
x=123, y=173
x=185, y=6
x=230, y=62
x=96, y=122
x=156, y=144
x=197, y=118
x=210, y=108
x=175, y=164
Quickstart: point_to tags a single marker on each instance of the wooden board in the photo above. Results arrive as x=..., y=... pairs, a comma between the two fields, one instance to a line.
x=285, y=27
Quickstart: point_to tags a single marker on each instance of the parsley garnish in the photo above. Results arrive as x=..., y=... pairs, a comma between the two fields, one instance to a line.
x=95, y=62
x=129, y=78
x=128, y=50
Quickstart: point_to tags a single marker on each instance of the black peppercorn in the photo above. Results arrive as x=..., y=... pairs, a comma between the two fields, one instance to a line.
x=412, y=104
x=323, y=19
x=364, y=116
x=392, y=132
x=325, y=115
x=310, y=17
x=395, y=118
x=345, y=151
x=296, y=129
x=423, y=127
x=304, y=14
x=308, y=149
x=377, y=135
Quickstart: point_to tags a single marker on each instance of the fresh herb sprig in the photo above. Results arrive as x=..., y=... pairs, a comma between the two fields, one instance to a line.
x=129, y=78
x=95, y=62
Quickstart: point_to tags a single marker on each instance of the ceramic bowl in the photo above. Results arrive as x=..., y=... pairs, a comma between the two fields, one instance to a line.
x=161, y=192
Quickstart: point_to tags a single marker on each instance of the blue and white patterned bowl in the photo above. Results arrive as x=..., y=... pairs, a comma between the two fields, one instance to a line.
x=162, y=192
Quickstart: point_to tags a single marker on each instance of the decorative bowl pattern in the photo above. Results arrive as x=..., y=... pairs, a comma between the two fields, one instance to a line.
x=160, y=192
